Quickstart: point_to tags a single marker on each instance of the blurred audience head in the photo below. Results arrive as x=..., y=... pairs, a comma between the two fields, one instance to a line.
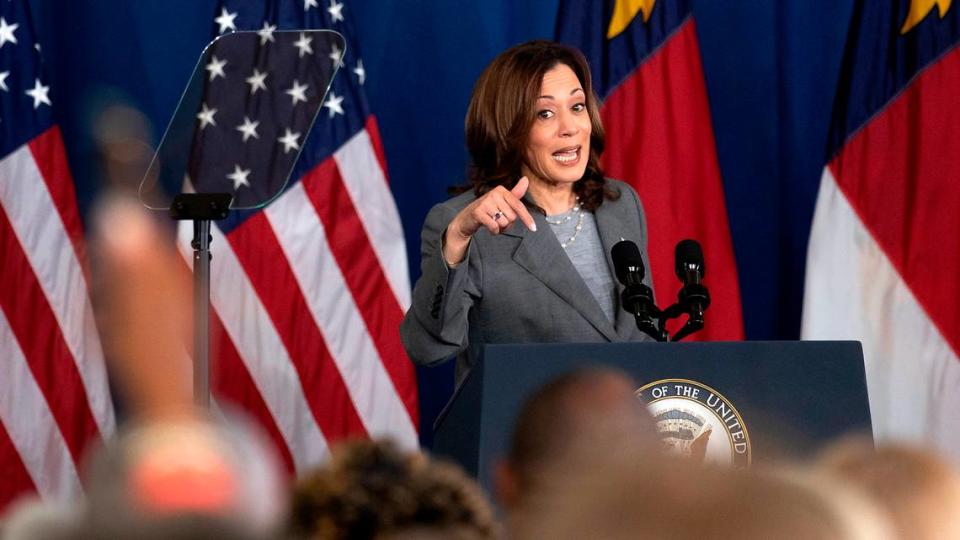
x=202, y=478
x=919, y=489
x=189, y=477
x=678, y=500
x=582, y=416
x=375, y=490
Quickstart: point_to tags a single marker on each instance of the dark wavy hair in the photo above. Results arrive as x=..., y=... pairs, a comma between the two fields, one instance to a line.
x=502, y=111
x=373, y=489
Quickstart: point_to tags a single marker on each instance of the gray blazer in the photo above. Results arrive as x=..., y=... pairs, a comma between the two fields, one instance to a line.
x=516, y=287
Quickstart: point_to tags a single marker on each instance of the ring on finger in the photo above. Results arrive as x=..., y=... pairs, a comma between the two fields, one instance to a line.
x=498, y=215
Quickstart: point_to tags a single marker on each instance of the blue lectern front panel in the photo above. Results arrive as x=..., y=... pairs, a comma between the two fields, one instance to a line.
x=776, y=399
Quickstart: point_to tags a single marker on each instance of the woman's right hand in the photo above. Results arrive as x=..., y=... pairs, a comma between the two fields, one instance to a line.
x=496, y=210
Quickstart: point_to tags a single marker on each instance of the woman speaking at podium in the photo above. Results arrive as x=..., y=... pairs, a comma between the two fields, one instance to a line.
x=523, y=256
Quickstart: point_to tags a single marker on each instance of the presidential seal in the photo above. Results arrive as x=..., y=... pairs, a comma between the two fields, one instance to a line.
x=697, y=422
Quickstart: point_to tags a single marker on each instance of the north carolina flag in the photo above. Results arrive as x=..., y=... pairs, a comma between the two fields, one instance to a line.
x=645, y=61
x=883, y=264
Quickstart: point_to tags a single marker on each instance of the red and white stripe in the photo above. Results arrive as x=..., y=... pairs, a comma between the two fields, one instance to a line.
x=361, y=165
x=884, y=257
x=337, y=315
x=31, y=428
x=310, y=293
x=854, y=292
x=53, y=368
x=258, y=345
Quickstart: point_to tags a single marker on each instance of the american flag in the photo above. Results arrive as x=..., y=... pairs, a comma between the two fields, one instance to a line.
x=308, y=292
x=54, y=397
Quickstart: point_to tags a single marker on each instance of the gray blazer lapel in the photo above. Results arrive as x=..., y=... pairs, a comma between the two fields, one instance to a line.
x=611, y=225
x=541, y=255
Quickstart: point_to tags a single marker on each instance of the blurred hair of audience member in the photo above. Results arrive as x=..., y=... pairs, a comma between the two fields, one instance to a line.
x=674, y=499
x=375, y=490
x=194, y=477
x=587, y=414
x=918, y=488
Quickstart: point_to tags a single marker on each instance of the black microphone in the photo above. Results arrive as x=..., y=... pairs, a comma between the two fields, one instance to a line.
x=693, y=297
x=689, y=265
x=637, y=297
x=628, y=263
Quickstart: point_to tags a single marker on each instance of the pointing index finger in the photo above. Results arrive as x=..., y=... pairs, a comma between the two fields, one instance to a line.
x=521, y=211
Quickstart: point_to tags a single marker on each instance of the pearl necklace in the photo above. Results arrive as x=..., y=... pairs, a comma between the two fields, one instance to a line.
x=576, y=231
x=566, y=218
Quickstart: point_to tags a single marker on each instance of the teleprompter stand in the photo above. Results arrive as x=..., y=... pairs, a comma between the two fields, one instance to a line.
x=204, y=167
x=201, y=209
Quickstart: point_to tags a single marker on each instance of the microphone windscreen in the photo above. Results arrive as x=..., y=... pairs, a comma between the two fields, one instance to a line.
x=626, y=259
x=688, y=252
